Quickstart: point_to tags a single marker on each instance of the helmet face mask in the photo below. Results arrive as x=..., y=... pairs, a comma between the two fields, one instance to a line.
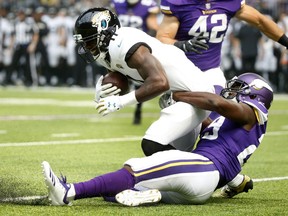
x=234, y=87
x=250, y=88
x=94, y=29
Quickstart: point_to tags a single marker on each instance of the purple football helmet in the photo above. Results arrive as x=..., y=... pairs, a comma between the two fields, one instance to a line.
x=249, y=88
x=93, y=31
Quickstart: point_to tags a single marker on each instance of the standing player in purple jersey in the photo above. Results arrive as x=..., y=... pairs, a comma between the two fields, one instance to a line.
x=185, y=20
x=179, y=177
x=140, y=14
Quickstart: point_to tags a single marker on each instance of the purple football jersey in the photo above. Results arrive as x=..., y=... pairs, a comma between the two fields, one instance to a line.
x=229, y=145
x=208, y=16
x=135, y=16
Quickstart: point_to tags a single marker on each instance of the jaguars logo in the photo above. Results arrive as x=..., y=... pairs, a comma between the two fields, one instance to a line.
x=101, y=20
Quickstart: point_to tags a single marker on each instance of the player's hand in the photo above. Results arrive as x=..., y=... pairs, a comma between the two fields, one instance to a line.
x=108, y=104
x=102, y=91
x=193, y=45
x=166, y=100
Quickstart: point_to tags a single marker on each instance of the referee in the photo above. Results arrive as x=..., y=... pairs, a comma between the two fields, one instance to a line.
x=26, y=38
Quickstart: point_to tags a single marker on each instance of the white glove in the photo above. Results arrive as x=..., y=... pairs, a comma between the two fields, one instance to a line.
x=108, y=104
x=102, y=91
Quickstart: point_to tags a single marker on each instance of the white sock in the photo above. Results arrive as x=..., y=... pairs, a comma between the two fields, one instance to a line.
x=236, y=181
x=71, y=193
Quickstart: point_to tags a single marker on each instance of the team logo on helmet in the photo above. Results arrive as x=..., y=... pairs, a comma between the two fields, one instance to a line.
x=258, y=84
x=101, y=20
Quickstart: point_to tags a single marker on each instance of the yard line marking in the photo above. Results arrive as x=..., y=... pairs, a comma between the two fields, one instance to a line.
x=271, y=179
x=104, y=140
x=29, y=198
x=63, y=142
x=276, y=133
x=3, y=131
x=90, y=117
x=65, y=135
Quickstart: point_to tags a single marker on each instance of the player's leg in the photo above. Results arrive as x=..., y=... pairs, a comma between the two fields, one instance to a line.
x=175, y=121
x=179, y=176
x=62, y=193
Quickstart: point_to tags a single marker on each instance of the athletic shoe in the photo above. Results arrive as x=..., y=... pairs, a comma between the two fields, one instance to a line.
x=245, y=186
x=136, y=198
x=57, y=188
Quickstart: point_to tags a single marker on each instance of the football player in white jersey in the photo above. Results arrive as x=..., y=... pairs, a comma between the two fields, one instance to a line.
x=156, y=66
x=174, y=176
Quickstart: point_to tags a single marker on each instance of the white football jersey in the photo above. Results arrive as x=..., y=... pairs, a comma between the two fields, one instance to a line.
x=181, y=72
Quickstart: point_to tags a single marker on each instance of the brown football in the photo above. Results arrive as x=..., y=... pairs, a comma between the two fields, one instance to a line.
x=117, y=79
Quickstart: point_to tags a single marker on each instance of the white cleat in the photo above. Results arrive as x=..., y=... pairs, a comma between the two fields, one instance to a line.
x=57, y=188
x=136, y=198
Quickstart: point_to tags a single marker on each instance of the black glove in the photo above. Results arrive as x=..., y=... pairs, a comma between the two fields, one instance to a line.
x=193, y=44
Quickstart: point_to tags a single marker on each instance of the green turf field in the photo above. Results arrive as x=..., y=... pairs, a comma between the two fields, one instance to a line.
x=60, y=125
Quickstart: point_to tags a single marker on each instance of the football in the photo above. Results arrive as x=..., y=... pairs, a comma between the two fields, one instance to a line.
x=117, y=79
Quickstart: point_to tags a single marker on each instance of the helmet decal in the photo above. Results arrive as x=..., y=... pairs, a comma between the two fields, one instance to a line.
x=258, y=84
x=100, y=20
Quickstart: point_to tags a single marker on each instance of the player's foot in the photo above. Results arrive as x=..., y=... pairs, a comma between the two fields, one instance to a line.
x=245, y=186
x=136, y=198
x=57, y=188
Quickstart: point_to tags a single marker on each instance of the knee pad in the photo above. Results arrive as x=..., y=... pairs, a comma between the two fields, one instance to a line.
x=150, y=147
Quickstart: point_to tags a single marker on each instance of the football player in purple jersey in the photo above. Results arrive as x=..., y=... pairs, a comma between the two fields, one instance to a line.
x=179, y=177
x=140, y=14
x=185, y=21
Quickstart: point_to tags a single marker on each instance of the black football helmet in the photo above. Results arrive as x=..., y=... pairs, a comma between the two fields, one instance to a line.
x=249, y=88
x=93, y=31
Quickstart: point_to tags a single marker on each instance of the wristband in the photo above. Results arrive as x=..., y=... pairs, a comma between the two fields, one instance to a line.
x=128, y=99
x=283, y=40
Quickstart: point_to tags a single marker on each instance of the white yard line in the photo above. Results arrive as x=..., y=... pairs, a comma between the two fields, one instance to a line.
x=104, y=140
x=71, y=142
x=271, y=179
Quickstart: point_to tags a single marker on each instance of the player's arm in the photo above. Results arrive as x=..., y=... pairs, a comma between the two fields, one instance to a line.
x=238, y=112
x=167, y=32
x=152, y=24
x=152, y=72
x=167, y=29
x=152, y=20
x=263, y=23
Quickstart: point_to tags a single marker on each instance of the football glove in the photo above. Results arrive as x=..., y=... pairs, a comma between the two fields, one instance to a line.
x=108, y=105
x=102, y=91
x=194, y=44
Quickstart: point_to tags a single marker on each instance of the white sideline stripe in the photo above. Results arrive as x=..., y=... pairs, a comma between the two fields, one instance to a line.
x=29, y=198
x=87, y=141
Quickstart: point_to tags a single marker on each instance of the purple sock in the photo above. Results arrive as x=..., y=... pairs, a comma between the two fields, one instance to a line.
x=105, y=185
